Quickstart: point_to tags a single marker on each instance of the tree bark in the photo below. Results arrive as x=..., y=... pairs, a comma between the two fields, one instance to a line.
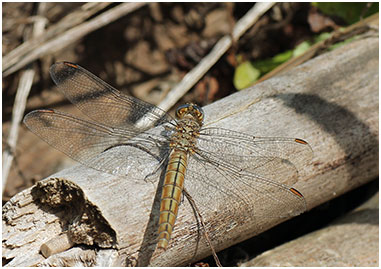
x=330, y=101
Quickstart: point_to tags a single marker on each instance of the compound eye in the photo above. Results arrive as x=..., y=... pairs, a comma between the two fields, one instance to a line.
x=180, y=111
x=199, y=112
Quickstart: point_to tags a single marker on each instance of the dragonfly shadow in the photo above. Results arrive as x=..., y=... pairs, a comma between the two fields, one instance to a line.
x=351, y=134
x=333, y=118
x=150, y=237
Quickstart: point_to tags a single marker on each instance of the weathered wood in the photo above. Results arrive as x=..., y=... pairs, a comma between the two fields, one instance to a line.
x=352, y=240
x=330, y=101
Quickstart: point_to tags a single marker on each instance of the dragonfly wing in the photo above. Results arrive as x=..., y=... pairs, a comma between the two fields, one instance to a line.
x=230, y=167
x=103, y=103
x=94, y=145
x=212, y=181
x=277, y=158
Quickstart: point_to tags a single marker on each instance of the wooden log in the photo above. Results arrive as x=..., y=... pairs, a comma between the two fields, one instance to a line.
x=330, y=101
x=352, y=240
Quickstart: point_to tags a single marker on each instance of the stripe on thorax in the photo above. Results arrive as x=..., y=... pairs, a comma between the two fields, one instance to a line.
x=171, y=195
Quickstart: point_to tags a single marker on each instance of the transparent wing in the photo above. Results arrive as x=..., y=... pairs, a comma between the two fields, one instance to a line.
x=103, y=103
x=95, y=145
x=230, y=167
x=211, y=180
x=276, y=158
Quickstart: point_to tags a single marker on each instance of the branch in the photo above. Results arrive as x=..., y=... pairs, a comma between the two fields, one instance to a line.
x=193, y=76
x=26, y=81
x=56, y=40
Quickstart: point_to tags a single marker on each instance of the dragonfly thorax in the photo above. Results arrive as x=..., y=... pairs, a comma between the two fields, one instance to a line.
x=187, y=129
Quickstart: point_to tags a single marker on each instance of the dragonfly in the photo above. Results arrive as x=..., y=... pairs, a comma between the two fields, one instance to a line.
x=205, y=160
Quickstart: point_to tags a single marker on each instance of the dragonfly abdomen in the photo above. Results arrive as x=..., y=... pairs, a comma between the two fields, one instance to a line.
x=171, y=195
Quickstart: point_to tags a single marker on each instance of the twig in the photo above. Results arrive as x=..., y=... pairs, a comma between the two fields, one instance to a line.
x=337, y=36
x=23, y=90
x=72, y=35
x=69, y=21
x=219, y=49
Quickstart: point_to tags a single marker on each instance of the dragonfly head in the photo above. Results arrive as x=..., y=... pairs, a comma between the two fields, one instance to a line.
x=192, y=110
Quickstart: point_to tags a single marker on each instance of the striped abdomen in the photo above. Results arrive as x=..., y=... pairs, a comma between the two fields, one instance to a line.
x=171, y=195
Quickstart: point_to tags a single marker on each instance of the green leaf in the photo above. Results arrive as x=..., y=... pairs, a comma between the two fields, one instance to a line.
x=282, y=57
x=244, y=75
x=266, y=65
x=322, y=36
x=301, y=48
